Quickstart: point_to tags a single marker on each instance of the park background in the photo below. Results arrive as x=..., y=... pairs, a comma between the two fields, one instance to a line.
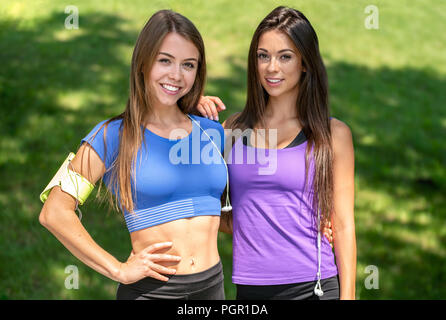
x=387, y=84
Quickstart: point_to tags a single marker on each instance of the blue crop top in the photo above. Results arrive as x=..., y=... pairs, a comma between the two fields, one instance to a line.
x=175, y=179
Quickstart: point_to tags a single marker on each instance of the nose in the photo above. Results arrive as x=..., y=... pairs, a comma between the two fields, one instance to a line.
x=272, y=65
x=175, y=73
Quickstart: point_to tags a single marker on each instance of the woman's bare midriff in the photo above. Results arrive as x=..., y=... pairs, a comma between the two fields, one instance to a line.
x=194, y=240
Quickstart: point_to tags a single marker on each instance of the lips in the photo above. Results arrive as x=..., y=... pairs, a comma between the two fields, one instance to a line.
x=170, y=89
x=274, y=82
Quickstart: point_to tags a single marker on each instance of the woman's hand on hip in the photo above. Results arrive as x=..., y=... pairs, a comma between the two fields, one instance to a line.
x=144, y=264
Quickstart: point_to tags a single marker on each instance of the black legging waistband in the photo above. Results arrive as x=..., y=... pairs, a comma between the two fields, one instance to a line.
x=177, y=286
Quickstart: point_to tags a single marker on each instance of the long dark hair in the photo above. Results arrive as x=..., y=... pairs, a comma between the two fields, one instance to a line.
x=312, y=102
x=139, y=102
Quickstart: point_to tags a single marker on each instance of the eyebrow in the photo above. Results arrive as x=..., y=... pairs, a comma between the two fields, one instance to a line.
x=283, y=50
x=171, y=56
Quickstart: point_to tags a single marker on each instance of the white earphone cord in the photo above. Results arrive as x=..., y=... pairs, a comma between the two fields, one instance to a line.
x=76, y=186
x=227, y=206
x=318, y=289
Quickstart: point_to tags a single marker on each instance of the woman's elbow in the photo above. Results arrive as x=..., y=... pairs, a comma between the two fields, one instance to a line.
x=48, y=215
x=346, y=224
x=43, y=216
x=56, y=208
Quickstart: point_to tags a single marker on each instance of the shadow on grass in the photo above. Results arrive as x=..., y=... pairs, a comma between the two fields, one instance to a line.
x=396, y=116
x=398, y=124
x=40, y=65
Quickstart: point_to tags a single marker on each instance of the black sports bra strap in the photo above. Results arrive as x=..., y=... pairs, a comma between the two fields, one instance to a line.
x=299, y=139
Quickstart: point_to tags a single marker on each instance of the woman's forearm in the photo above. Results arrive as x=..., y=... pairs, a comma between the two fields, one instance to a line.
x=345, y=251
x=66, y=227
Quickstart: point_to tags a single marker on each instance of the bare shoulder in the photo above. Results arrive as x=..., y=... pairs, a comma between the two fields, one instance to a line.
x=341, y=135
x=227, y=123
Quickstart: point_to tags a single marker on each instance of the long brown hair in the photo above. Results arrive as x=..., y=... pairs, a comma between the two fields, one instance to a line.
x=131, y=137
x=312, y=101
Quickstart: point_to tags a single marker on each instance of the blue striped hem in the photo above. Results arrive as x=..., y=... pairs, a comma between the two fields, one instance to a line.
x=145, y=218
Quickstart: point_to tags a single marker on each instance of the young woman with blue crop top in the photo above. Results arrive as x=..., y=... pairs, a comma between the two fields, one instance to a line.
x=278, y=252
x=171, y=207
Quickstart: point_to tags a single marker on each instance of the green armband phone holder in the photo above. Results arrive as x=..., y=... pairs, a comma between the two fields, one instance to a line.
x=70, y=182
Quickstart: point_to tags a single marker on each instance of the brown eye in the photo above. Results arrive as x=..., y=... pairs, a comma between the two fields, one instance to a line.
x=189, y=65
x=262, y=56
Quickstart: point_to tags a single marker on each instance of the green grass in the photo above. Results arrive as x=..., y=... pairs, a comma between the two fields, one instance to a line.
x=386, y=84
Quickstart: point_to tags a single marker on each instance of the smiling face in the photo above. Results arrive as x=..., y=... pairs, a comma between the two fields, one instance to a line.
x=279, y=64
x=173, y=71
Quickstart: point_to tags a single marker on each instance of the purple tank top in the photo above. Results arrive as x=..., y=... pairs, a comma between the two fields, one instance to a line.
x=274, y=229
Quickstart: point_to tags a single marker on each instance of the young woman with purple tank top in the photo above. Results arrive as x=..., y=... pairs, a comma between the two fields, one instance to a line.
x=285, y=188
